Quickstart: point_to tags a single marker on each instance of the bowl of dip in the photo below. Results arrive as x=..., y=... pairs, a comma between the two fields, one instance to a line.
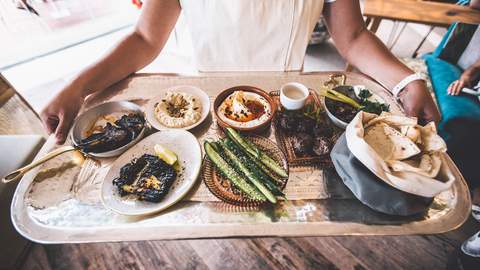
x=244, y=108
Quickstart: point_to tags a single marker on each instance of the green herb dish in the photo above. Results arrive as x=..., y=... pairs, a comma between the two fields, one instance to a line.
x=344, y=102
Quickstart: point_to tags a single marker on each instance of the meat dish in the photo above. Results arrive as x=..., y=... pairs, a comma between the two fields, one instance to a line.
x=321, y=145
x=308, y=132
x=322, y=130
x=305, y=124
x=287, y=121
x=149, y=178
x=302, y=143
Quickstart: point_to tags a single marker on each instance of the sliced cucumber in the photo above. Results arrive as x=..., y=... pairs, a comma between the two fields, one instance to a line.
x=243, y=168
x=254, y=151
x=253, y=165
x=231, y=174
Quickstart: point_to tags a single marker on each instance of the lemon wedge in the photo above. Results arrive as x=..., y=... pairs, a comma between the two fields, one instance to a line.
x=165, y=154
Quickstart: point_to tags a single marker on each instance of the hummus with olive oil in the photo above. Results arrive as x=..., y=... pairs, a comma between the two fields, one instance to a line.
x=244, y=109
x=178, y=110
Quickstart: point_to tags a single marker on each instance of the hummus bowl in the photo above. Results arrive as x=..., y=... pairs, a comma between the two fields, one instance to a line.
x=178, y=107
x=244, y=108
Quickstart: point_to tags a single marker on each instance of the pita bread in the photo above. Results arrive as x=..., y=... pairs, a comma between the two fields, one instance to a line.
x=389, y=143
x=412, y=132
x=427, y=165
x=431, y=141
x=425, y=173
x=393, y=120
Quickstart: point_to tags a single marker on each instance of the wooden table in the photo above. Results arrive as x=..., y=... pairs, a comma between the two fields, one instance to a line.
x=343, y=252
x=423, y=12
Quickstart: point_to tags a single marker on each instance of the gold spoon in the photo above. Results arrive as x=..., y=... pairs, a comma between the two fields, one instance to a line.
x=17, y=174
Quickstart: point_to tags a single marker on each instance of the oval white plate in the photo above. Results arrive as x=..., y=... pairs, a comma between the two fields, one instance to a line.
x=187, y=148
x=192, y=90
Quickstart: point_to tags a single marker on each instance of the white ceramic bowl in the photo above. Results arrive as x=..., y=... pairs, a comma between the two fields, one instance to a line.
x=357, y=88
x=336, y=121
x=290, y=103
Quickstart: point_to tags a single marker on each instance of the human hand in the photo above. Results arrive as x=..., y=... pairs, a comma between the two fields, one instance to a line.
x=418, y=102
x=475, y=4
x=58, y=116
x=464, y=81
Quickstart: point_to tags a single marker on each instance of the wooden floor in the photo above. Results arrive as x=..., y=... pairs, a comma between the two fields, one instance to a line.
x=348, y=252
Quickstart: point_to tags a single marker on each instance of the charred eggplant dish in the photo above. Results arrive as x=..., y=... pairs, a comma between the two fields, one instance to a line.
x=109, y=133
x=148, y=178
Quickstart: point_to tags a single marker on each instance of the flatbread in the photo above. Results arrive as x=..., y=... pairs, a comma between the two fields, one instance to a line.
x=431, y=141
x=389, y=143
x=412, y=132
x=406, y=154
x=427, y=165
x=393, y=120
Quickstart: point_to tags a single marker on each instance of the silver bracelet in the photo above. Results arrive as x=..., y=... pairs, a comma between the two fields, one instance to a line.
x=401, y=85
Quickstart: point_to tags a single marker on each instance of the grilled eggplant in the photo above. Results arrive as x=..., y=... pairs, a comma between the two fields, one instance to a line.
x=133, y=123
x=148, y=177
x=113, y=136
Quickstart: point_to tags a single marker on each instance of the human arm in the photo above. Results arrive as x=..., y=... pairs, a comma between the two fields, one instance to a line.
x=135, y=51
x=466, y=79
x=364, y=50
x=471, y=73
x=475, y=4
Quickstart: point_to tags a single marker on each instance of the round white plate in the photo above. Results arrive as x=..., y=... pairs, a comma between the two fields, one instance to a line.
x=192, y=90
x=187, y=148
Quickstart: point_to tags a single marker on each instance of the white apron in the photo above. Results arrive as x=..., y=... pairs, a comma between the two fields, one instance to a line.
x=250, y=35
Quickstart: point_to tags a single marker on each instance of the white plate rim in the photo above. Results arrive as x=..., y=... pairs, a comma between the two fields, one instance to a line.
x=192, y=182
x=150, y=110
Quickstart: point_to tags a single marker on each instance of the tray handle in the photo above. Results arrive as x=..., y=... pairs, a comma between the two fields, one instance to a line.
x=332, y=80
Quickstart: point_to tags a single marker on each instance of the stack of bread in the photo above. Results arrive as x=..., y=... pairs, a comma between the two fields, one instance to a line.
x=401, y=152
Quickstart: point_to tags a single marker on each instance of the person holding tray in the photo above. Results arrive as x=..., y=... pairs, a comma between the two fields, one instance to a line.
x=244, y=35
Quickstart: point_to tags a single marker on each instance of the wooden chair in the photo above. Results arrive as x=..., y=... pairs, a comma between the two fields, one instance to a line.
x=431, y=13
x=423, y=12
